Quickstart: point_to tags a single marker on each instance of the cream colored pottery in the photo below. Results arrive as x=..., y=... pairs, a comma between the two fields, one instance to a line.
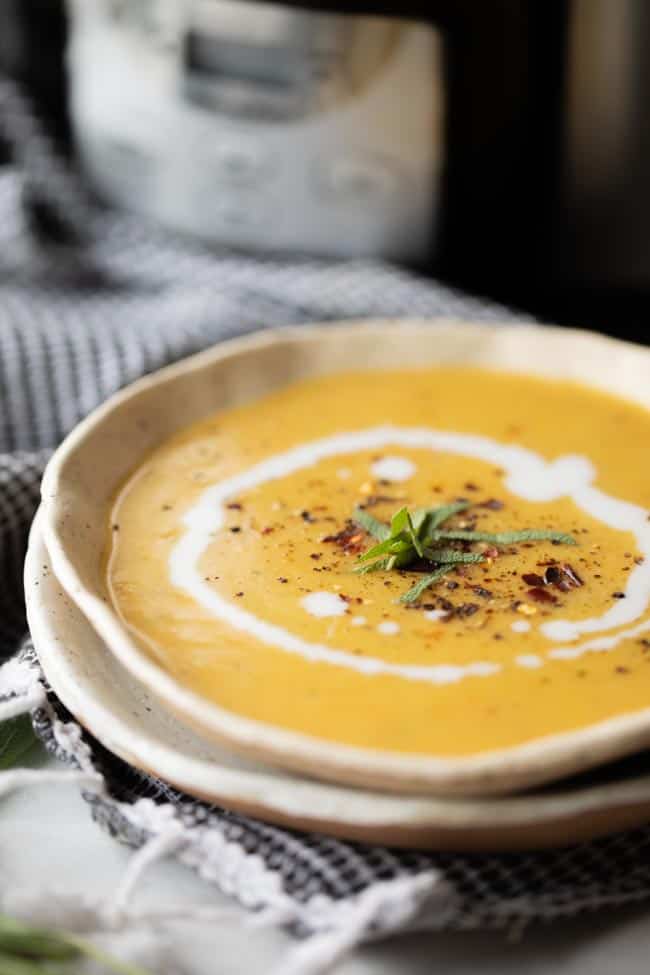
x=123, y=715
x=104, y=448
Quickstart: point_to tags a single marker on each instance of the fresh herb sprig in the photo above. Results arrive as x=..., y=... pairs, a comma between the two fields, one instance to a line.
x=417, y=535
x=28, y=950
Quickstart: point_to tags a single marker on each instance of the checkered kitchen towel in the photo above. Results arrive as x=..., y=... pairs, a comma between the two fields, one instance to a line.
x=90, y=300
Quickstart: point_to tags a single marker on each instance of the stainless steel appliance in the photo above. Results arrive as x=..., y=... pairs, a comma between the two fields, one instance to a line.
x=259, y=125
x=501, y=145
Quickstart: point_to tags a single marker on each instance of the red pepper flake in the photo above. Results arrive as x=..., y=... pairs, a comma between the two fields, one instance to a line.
x=375, y=499
x=316, y=556
x=235, y=529
x=470, y=486
x=239, y=594
x=307, y=516
x=622, y=670
x=268, y=530
x=467, y=609
x=350, y=539
x=564, y=577
x=618, y=595
x=282, y=579
x=572, y=575
x=541, y=595
x=483, y=593
x=532, y=579
x=234, y=506
x=492, y=504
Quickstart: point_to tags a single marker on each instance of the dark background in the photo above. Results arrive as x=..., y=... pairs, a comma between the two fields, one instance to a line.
x=508, y=230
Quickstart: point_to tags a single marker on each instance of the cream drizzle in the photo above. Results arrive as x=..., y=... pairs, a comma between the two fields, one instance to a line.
x=388, y=628
x=324, y=604
x=393, y=469
x=528, y=475
x=520, y=626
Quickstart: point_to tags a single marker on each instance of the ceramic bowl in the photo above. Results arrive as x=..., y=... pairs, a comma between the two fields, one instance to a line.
x=86, y=470
x=123, y=715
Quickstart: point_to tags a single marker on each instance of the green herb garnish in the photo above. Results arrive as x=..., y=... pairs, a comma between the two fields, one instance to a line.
x=28, y=950
x=504, y=538
x=416, y=535
x=430, y=579
x=375, y=528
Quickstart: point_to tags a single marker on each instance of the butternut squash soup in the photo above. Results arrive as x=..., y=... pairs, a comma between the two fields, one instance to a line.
x=441, y=561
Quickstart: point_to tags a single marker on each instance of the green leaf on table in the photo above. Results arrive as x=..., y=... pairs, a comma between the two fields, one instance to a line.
x=30, y=950
x=16, y=738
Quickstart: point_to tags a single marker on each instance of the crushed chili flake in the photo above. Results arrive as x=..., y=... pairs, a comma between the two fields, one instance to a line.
x=307, y=516
x=482, y=592
x=572, y=575
x=467, y=609
x=282, y=579
x=492, y=504
x=268, y=530
x=350, y=539
x=532, y=579
x=375, y=499
x=234, y=506
x=316, y=555
x=564, y=577
x=235, y=529
x=618, y=595
x=541, y=595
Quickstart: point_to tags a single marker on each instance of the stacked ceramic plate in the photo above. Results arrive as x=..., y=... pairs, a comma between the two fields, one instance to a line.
x=542, y=789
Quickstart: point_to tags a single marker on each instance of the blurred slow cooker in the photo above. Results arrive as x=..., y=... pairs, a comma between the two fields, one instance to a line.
x=500, y=145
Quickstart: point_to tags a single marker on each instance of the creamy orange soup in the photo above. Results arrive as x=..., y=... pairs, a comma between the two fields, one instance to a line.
x=234, y=548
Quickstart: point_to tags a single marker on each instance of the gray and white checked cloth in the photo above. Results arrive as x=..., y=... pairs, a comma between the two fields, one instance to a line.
x=91, y=299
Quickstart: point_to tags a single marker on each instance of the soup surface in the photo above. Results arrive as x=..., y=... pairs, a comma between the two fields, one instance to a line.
x=235, y=548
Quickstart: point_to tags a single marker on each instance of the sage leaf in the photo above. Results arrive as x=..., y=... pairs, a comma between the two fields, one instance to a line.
x=370, y=524
x=504, y=538
x=423, y=584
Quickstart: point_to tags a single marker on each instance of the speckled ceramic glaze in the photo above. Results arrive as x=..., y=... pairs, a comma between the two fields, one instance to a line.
x=86, y=471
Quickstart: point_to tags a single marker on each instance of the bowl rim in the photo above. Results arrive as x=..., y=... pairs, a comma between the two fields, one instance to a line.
x=497, y=771
x=483, y=823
